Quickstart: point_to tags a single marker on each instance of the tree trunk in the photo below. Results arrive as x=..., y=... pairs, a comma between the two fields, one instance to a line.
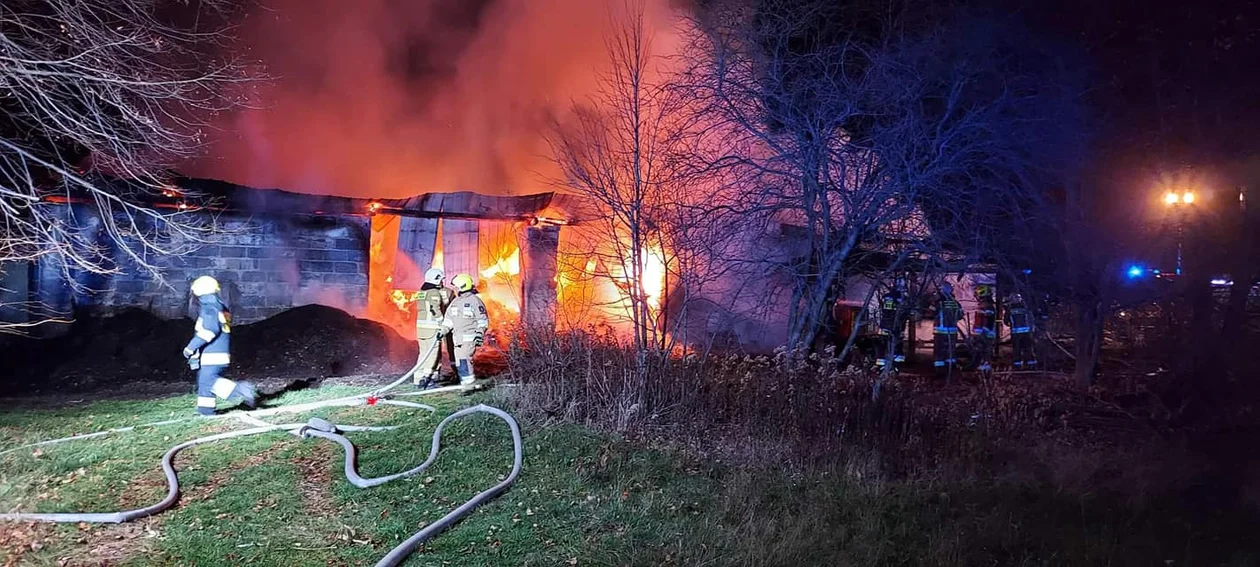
x=1089, y=335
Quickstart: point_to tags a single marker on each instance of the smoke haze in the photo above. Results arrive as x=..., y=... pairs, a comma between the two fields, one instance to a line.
x=399, y=97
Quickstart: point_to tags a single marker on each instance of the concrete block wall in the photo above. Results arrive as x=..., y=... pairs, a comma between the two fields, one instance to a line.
x=265, y=264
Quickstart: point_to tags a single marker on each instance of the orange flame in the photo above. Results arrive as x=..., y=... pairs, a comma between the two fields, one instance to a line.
x=509, y=265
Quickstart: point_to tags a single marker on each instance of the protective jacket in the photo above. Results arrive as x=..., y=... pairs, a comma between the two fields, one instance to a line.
x=948, y=313
x=1019, y=318
x=986, y=318
x=212, y=333
x=891, y=320
x=431, y=305
x=468, y=319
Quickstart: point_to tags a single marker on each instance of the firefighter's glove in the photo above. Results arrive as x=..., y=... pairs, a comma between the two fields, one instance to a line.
x=479, y=340
x=194, y=362
x=189, y=353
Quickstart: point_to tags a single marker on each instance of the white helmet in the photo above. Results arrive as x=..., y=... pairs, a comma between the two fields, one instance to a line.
x=205, y=285
x=434, y=276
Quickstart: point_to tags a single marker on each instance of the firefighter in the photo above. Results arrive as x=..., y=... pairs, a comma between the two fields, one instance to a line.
x=892, y=326
x=468, y=324
x=984, y=327
x=208, y=353
x=431, y=326
x=1020, y=319
x=945, y=332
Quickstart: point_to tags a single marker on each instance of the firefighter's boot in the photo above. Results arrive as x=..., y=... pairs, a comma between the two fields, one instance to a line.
x=248, y=394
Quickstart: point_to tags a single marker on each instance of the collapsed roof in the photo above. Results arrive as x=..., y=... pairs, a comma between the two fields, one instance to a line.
x=557, y=208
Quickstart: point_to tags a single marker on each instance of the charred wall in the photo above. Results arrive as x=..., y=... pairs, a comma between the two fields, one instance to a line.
x=266, y=264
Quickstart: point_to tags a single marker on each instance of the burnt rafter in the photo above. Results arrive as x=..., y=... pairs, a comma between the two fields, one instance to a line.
x=215, y=195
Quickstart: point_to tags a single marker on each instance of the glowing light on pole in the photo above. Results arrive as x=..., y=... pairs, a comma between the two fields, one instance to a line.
x=1174, y=199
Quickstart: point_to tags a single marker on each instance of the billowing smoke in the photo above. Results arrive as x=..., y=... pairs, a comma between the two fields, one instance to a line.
x=389, y=98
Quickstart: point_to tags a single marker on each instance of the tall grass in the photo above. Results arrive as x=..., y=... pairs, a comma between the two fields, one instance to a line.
x=810, y=414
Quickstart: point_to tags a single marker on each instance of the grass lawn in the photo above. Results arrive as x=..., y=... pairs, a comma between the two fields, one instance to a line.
x=583, y=498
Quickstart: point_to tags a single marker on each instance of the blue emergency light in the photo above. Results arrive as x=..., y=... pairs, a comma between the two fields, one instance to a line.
x=1136, y=271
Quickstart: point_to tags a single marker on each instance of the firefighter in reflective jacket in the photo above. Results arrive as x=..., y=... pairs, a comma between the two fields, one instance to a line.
x=468, y=320
x=431, y=326
x=945, y=332
x=984, y=327
x=208, y=353
x=892, y=326
x=1020, y=319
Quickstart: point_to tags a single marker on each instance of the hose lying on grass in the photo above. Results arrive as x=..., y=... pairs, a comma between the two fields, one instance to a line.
x=323, y=429
x=367, y=398
x=319, y=428
x=172, y=481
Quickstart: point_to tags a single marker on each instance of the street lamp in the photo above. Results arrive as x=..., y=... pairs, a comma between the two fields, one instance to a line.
x=1178, y=200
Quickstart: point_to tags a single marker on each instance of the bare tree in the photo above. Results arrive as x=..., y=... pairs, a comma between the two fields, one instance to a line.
x=844, y=117
x=98, y=100
x=621, y=149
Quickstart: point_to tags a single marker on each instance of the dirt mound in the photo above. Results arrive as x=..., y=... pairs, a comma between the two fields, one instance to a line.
x=309, y=342
x=317, y=341
x=131, y=345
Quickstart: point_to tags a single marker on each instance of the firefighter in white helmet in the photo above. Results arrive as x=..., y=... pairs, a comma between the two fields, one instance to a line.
x=208, y=351
x=431, y=326
x=467, y=315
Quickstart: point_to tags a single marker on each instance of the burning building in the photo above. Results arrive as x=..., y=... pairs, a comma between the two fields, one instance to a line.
x=273, y=250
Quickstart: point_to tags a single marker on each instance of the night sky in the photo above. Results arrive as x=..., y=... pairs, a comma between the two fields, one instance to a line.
x=1173, y=81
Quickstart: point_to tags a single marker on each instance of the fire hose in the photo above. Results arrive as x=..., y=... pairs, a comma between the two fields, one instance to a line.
x=319, y=428
x=368, y=398
x=172, y=482
x=323, y=429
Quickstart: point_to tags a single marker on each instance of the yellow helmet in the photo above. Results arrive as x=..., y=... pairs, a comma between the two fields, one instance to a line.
x=463, y=282
x=205, y=285
x=984, y=290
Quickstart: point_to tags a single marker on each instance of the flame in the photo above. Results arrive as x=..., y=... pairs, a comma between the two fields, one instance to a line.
x=650, y=276
x=402, y=299
x=593, y=287
x=653, y=280
x=509, y=265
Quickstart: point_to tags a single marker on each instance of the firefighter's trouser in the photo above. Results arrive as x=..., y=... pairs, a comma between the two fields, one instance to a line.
x=1022, y=350
x=429, y=357
x=211, y=386
x=944, y=345
x=886, y=350
x=464, y=351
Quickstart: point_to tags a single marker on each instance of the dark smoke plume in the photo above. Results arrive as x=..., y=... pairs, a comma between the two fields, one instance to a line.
x=389, y=98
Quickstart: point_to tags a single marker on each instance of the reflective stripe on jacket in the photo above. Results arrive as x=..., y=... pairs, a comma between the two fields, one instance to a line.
x=1020, y=320
x=431, y=307
x=468, y=318
x=212, y=332
x=948, y=313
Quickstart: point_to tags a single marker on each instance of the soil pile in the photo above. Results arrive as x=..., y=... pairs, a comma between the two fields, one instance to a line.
x=316, y=341
x=309, y=342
